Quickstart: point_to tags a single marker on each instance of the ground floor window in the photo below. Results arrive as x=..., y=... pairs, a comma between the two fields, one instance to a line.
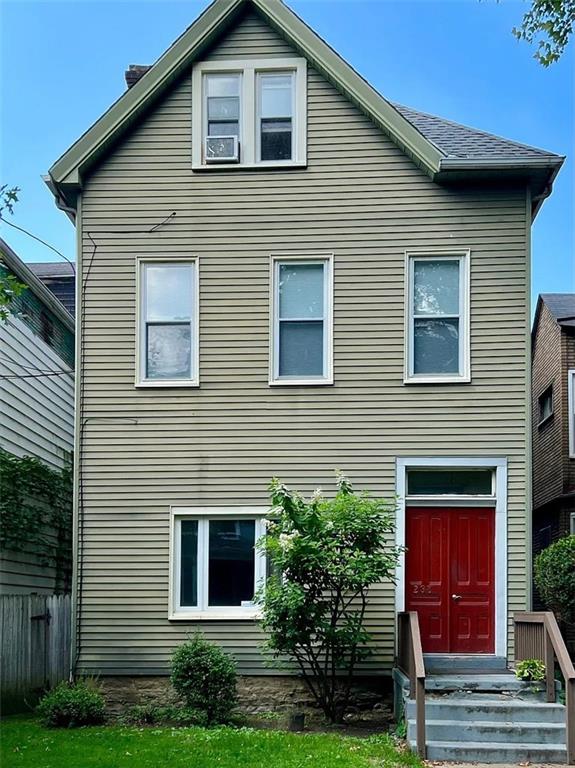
x=216, y=567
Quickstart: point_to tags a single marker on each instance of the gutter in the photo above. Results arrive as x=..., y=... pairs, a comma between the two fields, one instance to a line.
x=503, y=164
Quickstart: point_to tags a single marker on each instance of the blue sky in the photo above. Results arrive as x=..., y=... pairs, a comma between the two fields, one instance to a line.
x=62, y=65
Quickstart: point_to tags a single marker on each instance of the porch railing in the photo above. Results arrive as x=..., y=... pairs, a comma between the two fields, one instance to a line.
x=410, y=661
x=537, y=636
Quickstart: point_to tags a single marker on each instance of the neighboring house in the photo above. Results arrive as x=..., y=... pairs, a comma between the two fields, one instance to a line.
x=36, y=408
x=553, y=415
x=59, y=277
x=284, y=273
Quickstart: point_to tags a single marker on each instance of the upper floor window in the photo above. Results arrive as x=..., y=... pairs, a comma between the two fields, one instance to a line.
x=571, y=416
x=167, y=323
x=249, y=113
x=301, y=321
x=546, y=405
x=437, y=321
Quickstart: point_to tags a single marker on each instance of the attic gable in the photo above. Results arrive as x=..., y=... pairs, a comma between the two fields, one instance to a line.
x=410, y=135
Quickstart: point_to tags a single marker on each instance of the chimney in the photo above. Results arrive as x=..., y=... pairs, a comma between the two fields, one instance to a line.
x=134, y=73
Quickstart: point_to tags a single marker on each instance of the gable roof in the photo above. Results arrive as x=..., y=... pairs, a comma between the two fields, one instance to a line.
x=27, y=276
x=562, y=307
x=420, y=136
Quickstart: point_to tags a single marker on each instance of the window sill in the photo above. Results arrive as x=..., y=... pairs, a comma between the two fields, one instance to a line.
x=249, y=166
x=545, y=421
x=300, y=382
x=163, y=384
x=223, y=615
x=437, y=379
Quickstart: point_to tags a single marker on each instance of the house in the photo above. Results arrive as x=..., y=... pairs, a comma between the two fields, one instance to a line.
x=553, y=418
x=283, y=273
x=59, y=277
x=36, y=420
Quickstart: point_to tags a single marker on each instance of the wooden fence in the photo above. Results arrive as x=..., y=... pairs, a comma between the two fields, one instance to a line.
x=34, y=647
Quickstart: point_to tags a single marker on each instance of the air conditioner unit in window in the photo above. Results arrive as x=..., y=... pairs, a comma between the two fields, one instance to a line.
x=222, y=149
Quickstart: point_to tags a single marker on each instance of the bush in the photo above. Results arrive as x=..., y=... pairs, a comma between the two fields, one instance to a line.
x=530, y=669
x=325, y=555
x=71, y=705
x=555, y=578
x=150, y=714
x=205, y=677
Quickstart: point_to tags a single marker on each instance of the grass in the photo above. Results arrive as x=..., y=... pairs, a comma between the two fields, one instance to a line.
x=24, y=742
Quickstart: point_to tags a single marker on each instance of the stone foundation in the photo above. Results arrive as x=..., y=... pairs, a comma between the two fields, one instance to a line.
x=256, y=694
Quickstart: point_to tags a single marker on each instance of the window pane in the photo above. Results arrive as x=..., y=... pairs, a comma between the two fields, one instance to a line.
x=231, y=562
x=227, y=108
x=189, y=562
x=276, y=140
x=436, y=346
x=436, y=287
x=169, y=352
x=301, y=289
x=222, y=85
x=275, y=95
x=423, y=482
x=546, y=404
x=301, y=348
x=169, y=293
x=230, y=128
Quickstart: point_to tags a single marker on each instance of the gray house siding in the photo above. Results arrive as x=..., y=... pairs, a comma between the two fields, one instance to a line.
x=363, y=200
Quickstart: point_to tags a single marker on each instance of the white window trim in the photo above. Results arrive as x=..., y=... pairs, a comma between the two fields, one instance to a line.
x=464, y=375
x=140, y=340
x=499, y=501
x=203, y=611
x=303, y=258
x=248, y=68
x=571, y=406
x=572, y=523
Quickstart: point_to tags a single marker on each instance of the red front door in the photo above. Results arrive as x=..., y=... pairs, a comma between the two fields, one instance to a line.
x=450, y=563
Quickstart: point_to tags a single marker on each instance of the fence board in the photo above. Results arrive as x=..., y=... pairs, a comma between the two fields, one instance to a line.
x=34, y=647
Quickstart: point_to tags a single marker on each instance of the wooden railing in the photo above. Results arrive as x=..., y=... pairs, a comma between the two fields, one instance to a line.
x=537, y=636
x=410, y=661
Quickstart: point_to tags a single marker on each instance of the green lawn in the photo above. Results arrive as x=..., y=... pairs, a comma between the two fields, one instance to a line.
x=24, y=742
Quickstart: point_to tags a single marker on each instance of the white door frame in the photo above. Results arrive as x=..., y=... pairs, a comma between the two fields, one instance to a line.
x=499, y=465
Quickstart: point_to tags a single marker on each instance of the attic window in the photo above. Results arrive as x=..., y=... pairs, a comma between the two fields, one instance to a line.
x=249, y=114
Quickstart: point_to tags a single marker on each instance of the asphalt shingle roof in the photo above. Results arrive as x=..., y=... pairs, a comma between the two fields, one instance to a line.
x=461, y=141
x=60, y=279
x=561, y=306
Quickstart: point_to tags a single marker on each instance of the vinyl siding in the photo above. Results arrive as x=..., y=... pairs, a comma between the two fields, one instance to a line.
x=144, y=450
x=36, y=419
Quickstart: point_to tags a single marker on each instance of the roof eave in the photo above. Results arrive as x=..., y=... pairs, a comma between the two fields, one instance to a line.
x=25, y=274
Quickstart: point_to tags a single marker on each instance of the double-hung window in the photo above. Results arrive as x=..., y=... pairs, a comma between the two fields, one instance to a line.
x=249, y=113
x=216, y=567
x=167, y=323
x=437, y=318
x=301, y=321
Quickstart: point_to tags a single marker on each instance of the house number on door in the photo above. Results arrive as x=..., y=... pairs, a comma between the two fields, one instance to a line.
x=421, y=589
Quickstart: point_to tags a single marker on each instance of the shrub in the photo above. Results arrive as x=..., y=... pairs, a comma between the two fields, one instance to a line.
x=150, y=714
x=205, y=677
x=71, y=705
x=555, y=578
x=325, y=555
x=530, y=669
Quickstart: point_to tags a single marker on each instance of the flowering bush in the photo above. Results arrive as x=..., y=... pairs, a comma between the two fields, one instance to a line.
x=325, y=554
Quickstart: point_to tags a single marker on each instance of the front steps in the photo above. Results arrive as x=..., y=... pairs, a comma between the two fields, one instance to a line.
x=487, y=718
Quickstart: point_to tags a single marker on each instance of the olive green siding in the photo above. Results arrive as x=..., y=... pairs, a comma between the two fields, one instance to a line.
x=144, y=450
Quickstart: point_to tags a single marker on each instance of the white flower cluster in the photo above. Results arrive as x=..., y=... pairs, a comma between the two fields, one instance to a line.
x=286, y=540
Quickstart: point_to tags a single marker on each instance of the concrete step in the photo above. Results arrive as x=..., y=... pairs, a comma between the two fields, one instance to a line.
x=495, y=753
x=491, y=732
x=462, y=663
x=493, y=682
x=488, y=707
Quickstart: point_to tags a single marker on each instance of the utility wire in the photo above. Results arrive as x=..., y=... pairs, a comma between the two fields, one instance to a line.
x=35, y=375
x=39, y=239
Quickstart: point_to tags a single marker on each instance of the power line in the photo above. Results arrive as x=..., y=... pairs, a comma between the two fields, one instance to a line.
x=39, y=239
x=35, y=375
